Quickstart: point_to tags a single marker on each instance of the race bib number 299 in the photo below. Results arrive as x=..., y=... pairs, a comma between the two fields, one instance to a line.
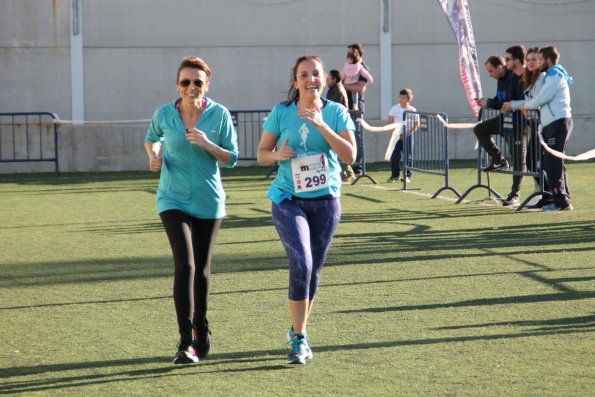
x=310, y=173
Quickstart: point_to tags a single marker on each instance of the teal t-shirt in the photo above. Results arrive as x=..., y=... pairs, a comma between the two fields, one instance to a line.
x=190, y=180
x=306, y=140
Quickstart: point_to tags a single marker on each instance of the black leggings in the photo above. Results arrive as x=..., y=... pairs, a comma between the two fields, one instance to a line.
x=192, y=241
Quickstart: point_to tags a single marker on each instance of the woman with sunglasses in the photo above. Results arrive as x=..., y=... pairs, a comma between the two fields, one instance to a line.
x=196, y=135
x=307, y=135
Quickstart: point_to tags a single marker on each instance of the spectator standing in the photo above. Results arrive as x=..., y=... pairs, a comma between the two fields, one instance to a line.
x=515, y=62
x=553, y=99
x=532, y=80
x=359, y=88
x=395, y=114
x=336, y=92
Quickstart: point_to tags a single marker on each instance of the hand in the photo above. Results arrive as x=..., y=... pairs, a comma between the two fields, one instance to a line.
x=198, y=138
x=312, y=115
x=285, y=152
x=506, y=107
x=155, y=164
x=481, y=102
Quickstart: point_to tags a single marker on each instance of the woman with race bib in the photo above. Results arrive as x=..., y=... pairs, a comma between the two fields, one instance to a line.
x=307, y=135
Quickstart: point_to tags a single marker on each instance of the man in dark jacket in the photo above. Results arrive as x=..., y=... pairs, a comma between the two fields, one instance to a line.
x=510, y=87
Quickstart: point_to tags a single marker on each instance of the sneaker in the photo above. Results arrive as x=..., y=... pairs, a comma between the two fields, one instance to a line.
x=201, y=342
x=405, y=180
x=540, y=204
x=291, y=334
x=298, y=352
x=348, y=179
x=185, y=355
x=534, y=201
x=392, y=180
x=496, y=165
x=511, y=200
x=554, y=207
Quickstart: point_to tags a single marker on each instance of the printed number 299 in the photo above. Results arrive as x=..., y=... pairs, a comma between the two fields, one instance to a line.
x=315, y=180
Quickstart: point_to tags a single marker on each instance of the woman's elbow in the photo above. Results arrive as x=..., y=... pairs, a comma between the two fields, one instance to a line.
x=350, y=157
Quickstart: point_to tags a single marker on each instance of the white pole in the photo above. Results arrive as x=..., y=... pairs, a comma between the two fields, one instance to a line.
x=386, y=79
x=77, y=79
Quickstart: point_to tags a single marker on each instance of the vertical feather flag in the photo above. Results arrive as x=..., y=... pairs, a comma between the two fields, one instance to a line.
x=459, y=18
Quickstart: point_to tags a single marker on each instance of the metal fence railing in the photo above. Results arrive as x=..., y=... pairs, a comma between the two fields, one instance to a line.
x=516, y=136
x=29, y=137
x=248, y=125
x=425, y=147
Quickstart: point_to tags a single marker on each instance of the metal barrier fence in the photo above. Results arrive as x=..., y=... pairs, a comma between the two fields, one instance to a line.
x=29, y=137
x=360, y=161
x=426, y=148
x=248, y=125
x=516, y=136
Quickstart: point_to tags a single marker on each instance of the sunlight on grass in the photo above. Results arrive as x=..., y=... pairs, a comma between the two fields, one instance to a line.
x=419, y=296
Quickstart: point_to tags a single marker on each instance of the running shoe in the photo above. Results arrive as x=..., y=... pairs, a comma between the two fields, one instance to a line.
x=299, y=350
x=185, y=355
x=201, y=342
x=291, y=334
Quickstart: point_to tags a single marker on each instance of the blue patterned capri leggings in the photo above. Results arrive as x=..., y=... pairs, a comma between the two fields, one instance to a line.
x=306, y=228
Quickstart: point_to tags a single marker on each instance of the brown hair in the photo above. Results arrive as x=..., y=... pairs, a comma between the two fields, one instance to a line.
x=194, y=63
x=294, y=93
x=550, y=53
x=408, y=92
x=529, y=78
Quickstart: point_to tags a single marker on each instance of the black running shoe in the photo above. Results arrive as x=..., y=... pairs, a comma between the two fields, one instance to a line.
x=185, y=355
x=201, y=340
x=511, y=200
x=496, y=165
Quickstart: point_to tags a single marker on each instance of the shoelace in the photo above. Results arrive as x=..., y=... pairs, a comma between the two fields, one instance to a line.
x=296, y=343
x=197, y=337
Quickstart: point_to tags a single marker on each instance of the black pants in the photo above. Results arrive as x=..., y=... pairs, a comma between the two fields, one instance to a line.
x=556, y=136
x=484, y=131
x=359, y=142
x=519, y=143
x=192, y=241
x=534, y=153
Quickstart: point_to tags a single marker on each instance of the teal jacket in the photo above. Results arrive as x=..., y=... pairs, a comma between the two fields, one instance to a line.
x=190, y=180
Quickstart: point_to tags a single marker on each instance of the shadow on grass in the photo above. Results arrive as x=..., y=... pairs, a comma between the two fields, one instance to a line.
x=325, y=285
x=210, y=365
x=557, y=323
x=538, y=298
x=418, y=243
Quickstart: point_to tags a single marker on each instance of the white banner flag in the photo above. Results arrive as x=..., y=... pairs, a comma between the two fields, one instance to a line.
x=459, y=18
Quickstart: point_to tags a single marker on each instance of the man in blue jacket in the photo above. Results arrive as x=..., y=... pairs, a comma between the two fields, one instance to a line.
x=553, y=100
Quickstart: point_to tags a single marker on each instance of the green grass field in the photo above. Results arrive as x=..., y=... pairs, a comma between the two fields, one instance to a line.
x=420, y=296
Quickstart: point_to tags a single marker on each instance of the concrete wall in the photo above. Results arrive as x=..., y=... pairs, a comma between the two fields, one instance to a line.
x=118, y=147
x=131, y=50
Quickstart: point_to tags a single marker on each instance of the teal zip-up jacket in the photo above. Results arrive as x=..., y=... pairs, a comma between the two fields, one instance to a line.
x=190, y=180
x=553, y=98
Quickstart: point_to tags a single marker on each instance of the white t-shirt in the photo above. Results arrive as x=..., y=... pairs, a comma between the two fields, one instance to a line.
x=397, y=112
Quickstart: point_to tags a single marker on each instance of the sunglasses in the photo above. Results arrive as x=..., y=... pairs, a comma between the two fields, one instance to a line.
x=185, y=83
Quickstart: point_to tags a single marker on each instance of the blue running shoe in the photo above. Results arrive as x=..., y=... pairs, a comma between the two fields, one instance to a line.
x=291, y=334
x=298, y=352
x=554, y=207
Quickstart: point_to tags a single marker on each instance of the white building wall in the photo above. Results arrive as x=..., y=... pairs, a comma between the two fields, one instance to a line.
x=132, y=49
